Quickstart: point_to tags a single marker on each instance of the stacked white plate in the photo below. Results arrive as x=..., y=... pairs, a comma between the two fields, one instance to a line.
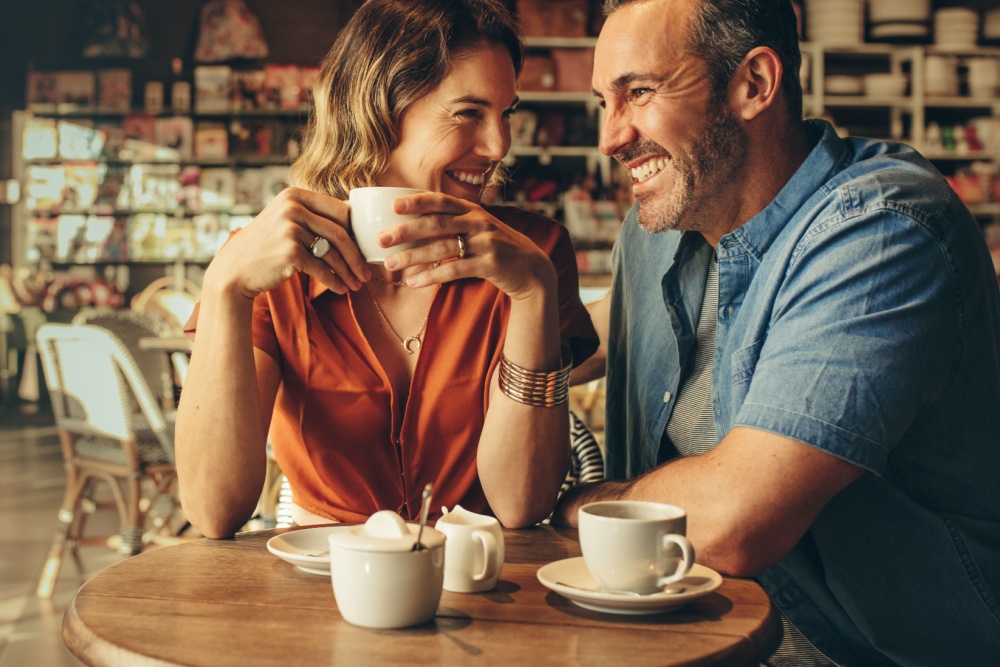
x=836, y=22
x=941, y=76
x=956, y=28
x=983, y=76
x=903, y=20
x=899, y=30
x=991, y=25
x=896, y=11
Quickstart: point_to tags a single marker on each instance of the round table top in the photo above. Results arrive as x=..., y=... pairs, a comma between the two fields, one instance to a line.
x=231, y=602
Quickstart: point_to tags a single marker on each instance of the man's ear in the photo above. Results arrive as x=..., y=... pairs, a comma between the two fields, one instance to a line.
x=756, y=84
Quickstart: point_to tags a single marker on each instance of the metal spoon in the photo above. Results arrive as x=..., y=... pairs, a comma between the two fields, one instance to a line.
x=425, y=505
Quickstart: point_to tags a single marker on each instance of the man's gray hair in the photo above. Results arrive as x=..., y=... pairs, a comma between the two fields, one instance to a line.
x=723, y=32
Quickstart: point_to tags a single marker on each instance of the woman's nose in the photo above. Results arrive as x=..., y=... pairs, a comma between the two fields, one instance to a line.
x=494, y=140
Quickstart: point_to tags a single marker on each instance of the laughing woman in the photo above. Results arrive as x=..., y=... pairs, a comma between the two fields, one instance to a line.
x=317, y=352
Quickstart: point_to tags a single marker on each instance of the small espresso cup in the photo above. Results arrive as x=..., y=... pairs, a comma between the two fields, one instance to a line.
x=371, y=214
x=474, y=550
x=635, y=546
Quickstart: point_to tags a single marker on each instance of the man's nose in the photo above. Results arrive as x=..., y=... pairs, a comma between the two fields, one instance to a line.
x=617, y=130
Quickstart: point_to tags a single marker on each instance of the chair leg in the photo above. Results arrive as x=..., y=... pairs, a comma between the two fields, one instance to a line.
x=132, y=521
x=85, y=508
x=76, y=486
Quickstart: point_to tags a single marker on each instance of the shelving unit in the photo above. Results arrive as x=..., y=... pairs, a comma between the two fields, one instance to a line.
x=906, y=117
x=594, y=160
x=181, y=211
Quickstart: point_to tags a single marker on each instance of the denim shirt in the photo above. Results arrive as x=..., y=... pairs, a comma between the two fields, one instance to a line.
x=858, y=313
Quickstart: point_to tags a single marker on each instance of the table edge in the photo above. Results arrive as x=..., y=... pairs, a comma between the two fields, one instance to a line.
x=93, y=650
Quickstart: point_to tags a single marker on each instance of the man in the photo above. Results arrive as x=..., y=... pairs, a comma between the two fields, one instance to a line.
x=802, y=344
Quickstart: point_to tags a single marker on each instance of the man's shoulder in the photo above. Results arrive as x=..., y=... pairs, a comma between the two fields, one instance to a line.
x=875, y=178
x=875, y=171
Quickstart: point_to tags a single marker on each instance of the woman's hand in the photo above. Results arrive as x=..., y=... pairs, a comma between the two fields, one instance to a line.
x=492, y=250
x=276, y=244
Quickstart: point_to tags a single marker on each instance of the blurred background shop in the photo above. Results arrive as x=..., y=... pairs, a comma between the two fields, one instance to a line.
x=135, y=134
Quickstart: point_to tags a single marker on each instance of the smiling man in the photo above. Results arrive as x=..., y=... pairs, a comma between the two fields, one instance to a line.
x=802, y=344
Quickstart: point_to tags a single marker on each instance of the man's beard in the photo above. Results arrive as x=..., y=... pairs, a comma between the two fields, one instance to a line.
x=713, y=162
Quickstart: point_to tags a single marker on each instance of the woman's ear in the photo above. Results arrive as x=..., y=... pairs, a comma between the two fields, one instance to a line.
x=756, y=84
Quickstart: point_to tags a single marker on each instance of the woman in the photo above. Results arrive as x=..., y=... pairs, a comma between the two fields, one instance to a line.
x=314, y=348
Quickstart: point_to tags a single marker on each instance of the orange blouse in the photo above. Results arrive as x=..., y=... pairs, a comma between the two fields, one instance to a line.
x=331, y=431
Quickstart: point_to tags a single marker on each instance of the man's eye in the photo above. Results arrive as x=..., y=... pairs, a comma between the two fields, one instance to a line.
x=510, y=112
x=639, y=92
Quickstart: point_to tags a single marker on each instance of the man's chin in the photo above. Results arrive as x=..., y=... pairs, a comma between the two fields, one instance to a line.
x=656, y=219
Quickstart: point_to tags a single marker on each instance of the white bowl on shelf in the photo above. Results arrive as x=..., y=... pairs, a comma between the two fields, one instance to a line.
x=885, y=84
x=844, y=84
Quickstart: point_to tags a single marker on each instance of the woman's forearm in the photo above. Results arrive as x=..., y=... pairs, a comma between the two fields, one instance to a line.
x=524, y=450
x=221, y=432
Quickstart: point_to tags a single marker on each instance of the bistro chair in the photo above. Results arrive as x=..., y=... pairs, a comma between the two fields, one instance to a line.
x=112, y=429
x=162, y=373
x=171, y=298
x=586, y=461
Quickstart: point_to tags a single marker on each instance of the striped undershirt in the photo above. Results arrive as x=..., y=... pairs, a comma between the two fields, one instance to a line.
x=691, y=431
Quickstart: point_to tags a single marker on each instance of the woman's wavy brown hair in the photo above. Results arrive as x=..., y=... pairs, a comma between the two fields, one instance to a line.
x=389, y=55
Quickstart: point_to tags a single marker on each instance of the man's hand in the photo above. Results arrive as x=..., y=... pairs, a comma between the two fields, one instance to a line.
x=576, y=497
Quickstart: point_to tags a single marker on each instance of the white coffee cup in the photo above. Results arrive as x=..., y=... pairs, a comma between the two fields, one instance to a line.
x=474, y=550
x=380, y=582
x=371, y=214
x=635, y=546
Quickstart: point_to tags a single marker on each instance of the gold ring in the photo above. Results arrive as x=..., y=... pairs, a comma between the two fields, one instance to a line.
x=319, y=247
x=461, y=246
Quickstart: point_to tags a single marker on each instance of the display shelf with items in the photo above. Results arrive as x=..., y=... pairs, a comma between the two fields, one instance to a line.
x=943, y=102
x=558, y=115
x=106, y=183
x=555, y=163
x=915, y=72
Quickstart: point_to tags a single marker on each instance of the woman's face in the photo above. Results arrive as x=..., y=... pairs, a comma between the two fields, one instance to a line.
x=453, y=138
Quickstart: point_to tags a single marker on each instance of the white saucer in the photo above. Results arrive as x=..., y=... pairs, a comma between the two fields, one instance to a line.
x=298, y=546
x=571, y=579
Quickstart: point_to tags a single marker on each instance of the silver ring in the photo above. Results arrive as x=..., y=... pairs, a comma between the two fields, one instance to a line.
x=461, y=246
x=319, y=247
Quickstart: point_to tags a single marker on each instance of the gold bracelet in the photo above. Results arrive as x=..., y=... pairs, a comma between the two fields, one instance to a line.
x=538, y=389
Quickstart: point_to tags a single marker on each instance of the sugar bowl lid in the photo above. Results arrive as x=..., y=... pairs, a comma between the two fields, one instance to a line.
x=385, y=531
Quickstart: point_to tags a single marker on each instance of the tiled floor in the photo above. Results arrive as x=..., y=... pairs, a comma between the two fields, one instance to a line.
x=31, y=486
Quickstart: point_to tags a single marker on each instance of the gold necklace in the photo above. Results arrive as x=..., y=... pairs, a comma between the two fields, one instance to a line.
x=413, y=340
x=398, y=283
x=394, y=283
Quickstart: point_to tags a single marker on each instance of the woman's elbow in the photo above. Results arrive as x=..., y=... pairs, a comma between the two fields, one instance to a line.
x=213, y=525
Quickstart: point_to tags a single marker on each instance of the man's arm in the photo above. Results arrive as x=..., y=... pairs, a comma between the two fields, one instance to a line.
x=594, y=367
x=749, y=500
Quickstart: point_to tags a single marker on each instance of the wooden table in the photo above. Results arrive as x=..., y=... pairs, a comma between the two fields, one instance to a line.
x=231, y=602
x=168, y=344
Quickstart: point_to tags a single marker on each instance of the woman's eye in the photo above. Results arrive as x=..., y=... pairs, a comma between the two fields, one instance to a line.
x=510, y=112
x=469, y=113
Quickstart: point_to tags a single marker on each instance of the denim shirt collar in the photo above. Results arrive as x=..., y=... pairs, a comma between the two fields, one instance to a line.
x=756, y=235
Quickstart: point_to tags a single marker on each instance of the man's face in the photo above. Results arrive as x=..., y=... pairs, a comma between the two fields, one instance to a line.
x=683, y=148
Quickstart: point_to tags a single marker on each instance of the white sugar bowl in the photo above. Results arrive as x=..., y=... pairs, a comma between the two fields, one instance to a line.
x=379, y=581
